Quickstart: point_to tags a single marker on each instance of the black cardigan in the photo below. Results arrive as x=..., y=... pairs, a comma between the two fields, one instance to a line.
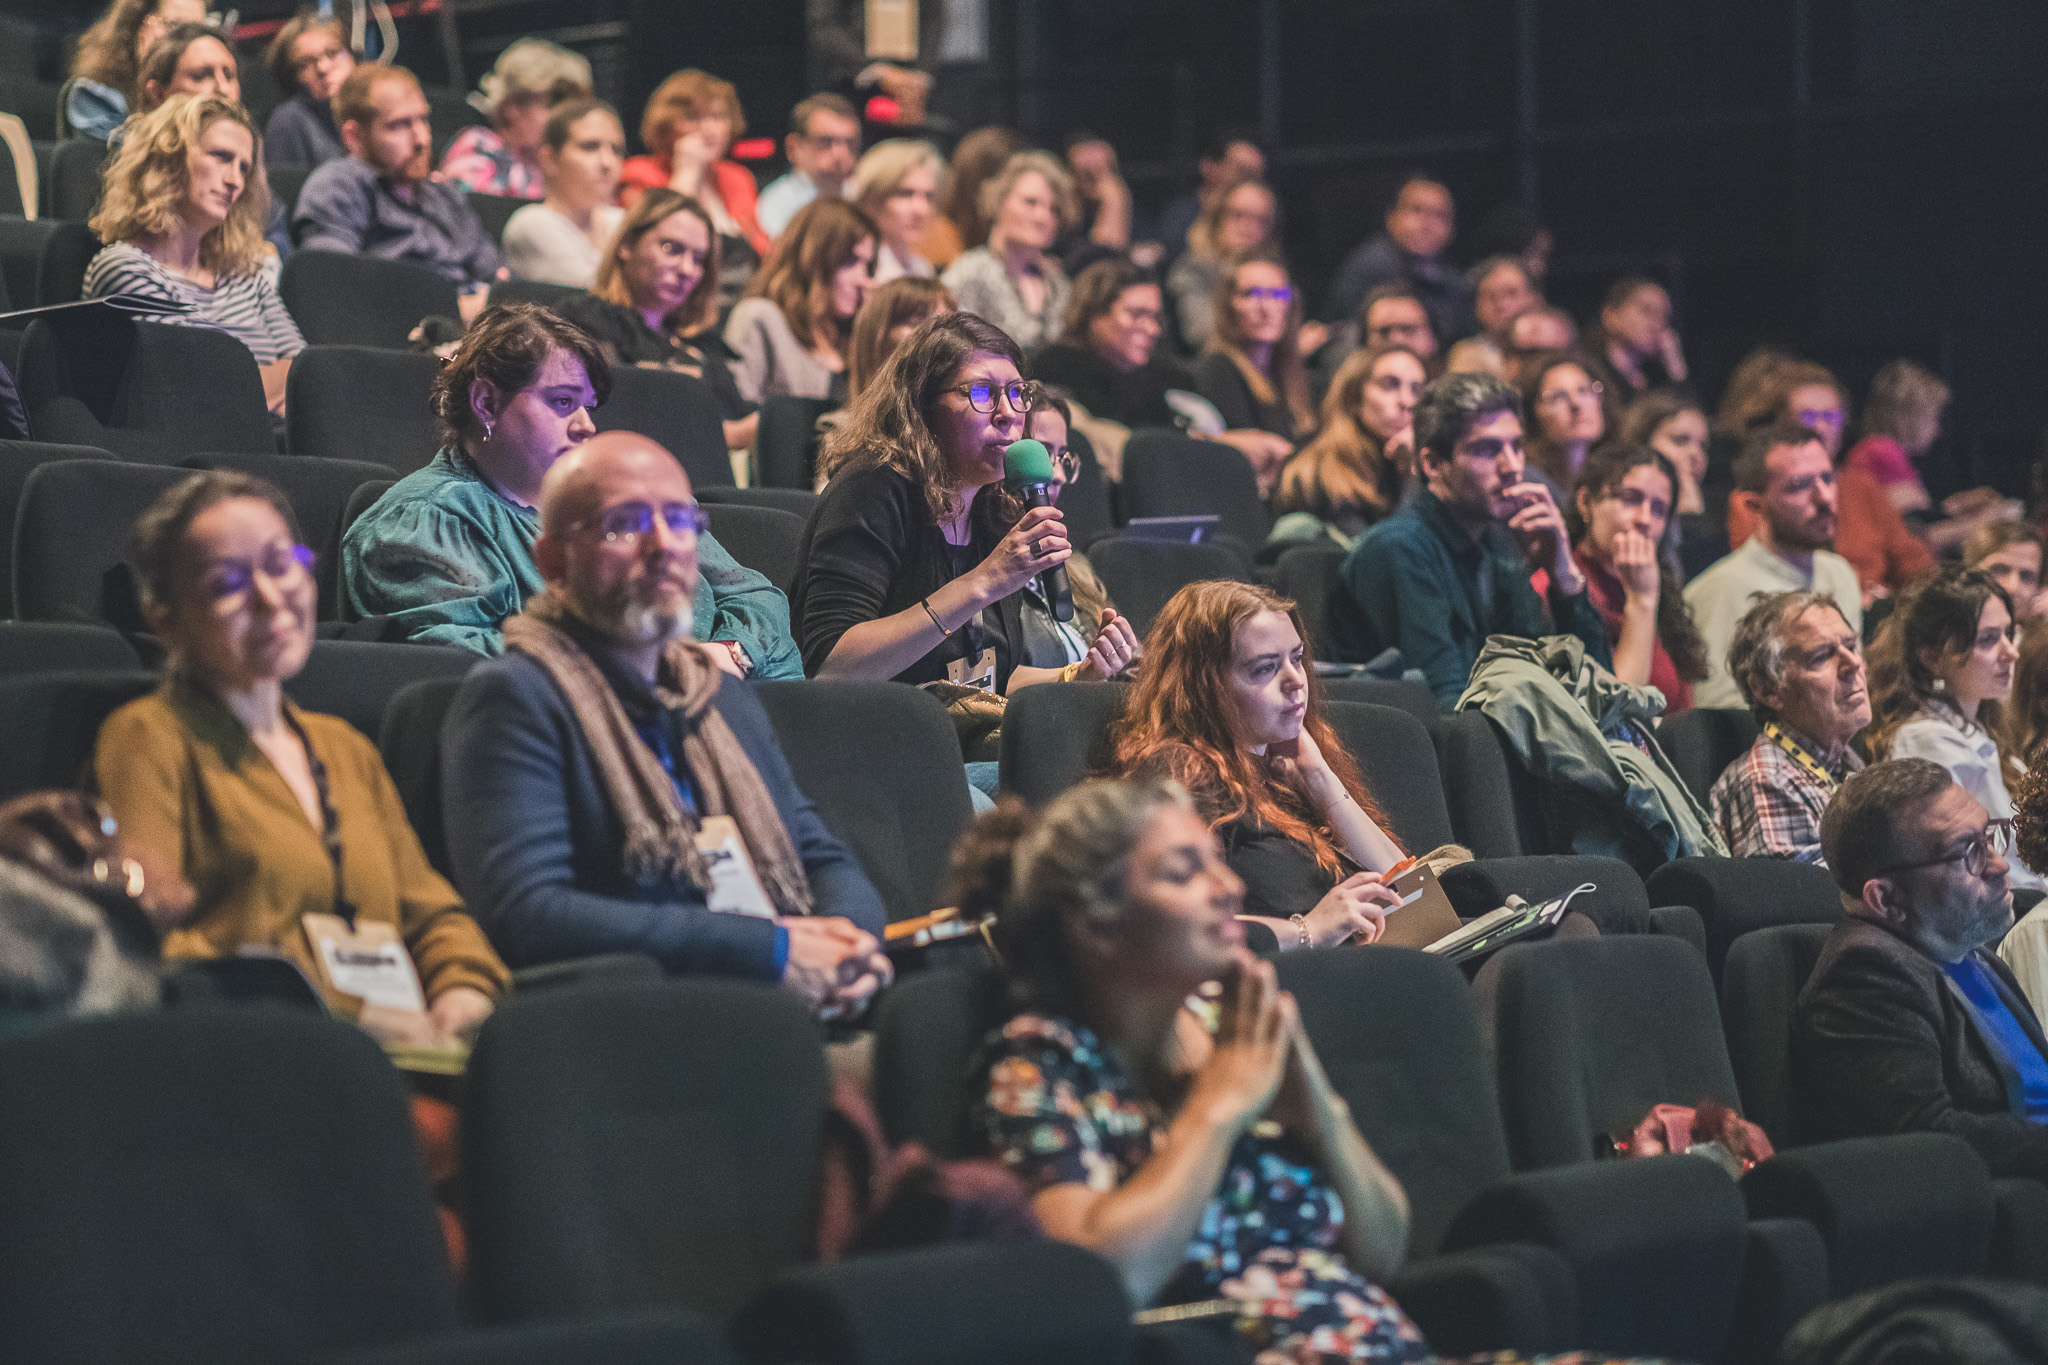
x=872, y=549
x=1222, y=383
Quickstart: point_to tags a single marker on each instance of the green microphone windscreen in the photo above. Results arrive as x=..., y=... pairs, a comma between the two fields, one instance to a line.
x=1026, y=461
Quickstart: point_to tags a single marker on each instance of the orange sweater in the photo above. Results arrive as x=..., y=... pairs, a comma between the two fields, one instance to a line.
x=1869, y=532
x=735, y=186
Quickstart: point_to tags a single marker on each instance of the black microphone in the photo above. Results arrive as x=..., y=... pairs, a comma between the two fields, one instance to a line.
x=1028, y=467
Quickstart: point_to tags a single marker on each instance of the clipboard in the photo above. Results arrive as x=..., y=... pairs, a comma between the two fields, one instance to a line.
x=1425, y=914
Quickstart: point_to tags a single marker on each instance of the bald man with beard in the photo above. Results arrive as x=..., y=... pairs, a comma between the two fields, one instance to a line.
x=585, y=766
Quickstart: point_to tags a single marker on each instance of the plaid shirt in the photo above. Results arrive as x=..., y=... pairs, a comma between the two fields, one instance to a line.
x=1767, y=806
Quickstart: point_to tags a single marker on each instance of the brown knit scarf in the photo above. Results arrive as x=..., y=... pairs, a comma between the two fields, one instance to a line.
x=661, y=836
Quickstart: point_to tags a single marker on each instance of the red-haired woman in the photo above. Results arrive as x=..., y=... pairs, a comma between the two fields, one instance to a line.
x=1227, y=706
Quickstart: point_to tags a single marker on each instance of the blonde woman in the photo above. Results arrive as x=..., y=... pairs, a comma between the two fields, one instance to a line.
x=792, y=329
x=897, y=185
x=1251, y=368
x=1351, y=475
x=182, y=212
x=1014, y=281
x=531, y=77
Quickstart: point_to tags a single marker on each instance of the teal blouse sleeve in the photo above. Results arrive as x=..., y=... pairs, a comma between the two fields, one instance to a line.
x=735, y=603
x=440, y=576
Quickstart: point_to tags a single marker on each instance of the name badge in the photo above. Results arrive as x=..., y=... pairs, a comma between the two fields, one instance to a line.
x=980, y=671
x=735, y=888
x=369, y=962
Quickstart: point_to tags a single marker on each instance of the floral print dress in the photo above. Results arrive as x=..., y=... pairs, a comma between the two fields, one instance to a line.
x=1057, y=1110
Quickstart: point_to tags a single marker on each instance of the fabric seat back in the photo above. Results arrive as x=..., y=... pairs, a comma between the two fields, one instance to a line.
x=343, y=300
x=410, y=741
x=881, y=762
x=1085, y=502
x=1056, y=734
x=1760, y=984
x=74, y=189
x=1702, y=742
x=1308, y=574
x=1492, y=812
x=1736, y=895
x=1399, y=693
x=786, y=442
x=69, y=535
x=48, y=647
x=640, y=1145
x=526, y=291
x=927, y=1030
x=357, y=679
x=1143, y=575
x=169, y=391
x=762, y=538
x=44, y=260
x=50, y=722
x=1167, y=474
x=1398, y=762
x=1590, y=1033
x=362, y=403
x=678, y=410
x=217, y=1186
x=19, y=459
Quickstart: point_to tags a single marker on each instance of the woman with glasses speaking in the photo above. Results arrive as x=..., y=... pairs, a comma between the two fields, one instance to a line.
x=917, y=562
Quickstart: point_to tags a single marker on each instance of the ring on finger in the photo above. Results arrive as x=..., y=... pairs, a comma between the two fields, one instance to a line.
x=1038, y=549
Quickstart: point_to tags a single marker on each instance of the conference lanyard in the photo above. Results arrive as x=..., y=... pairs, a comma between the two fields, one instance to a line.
x=1806, y=761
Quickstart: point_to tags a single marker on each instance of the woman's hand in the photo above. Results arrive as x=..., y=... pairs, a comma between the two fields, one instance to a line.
x=1115, y=646
x=1672, y=354
x=1635, y=564
x=1036, y=543
x=1253, y=1037
x=461, y=1010
x=1301, y=757
x=1355, y=910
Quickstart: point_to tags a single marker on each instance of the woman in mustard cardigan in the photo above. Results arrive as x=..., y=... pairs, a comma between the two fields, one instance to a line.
x=272, y=813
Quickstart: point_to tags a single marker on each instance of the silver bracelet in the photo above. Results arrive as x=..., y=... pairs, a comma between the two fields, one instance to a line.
x=1300, y=923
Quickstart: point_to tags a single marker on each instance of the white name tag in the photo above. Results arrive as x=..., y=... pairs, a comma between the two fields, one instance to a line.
x=980, y=671
x=369, y=962
x=735, y=888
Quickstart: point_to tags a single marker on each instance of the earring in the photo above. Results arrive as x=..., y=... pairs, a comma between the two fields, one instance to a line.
x=1941, y=684
x=487, y=431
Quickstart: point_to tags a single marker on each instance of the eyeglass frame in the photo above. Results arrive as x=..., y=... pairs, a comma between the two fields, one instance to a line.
x=301, y=559
x=1983, y=841
x=1028, y=387
x=701, y=519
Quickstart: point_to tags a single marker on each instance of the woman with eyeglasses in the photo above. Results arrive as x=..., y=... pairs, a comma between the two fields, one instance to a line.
x=1239, y=220
x=1941, y=670
x=1617, y=517
x=447, y=553
x=1110, y=360
x=273, y=814
x=310, y=57
x=1564, y=415
x=1251, y=368
x=917, y=561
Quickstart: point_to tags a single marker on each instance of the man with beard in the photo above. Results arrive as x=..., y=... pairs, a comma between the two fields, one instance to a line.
x=1908, y=1022
x=610, y=789
x=1785, y=475
x=1453, y=566
x=378, y=201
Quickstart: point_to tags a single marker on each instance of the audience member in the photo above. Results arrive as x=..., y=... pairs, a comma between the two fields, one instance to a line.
x=1872, y=535
x=106, y=81
x=271, y=813
x=1675, y=426
x=886, y=320
x=1907, y=1023
x=950, y=83
x=190, y=59
x=1225, y=707
x=309, y=59
x=1114, y=907
x=655, y=303
x=378, y=200
x=790, y=332
x=916, y=563
x=1395, y=314
x=1635, y=346
x=1419, y=226
x=1536, y=331
x=1786, y=480
x=896, y=183
x=1251, y=366
x=1354, y=473
x=1516, y=229
x=1501, y=292
x=1109, y=360
x=2011, y=552
x=2025, y=947
x=182, y=210
x=691, y=122
x=1901, y=423
x=1453, y=565
x=1104, y=227
x=823, y=145
x=530, y=78
x=563, y=238
x=1796, y=659
x=585, y=769
x=1013, y=281
x=1949, y=649
x=1569, y=408
x=447, y=552
x=1241, y=219
x=1620, y=507
x=1097, y=640
x=1231, y=157
x=2024, y=719
x=979, y=158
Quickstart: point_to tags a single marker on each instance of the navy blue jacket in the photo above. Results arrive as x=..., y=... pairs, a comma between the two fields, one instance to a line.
x=537, y=848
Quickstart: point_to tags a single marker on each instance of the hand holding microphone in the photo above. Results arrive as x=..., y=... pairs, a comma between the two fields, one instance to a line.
x=1027, y=467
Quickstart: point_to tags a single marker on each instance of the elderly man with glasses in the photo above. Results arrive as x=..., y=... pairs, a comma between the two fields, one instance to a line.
x=611, y=789
x=1909, y=1023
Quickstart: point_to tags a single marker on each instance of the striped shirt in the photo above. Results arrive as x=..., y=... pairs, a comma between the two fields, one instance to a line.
x=246, y=307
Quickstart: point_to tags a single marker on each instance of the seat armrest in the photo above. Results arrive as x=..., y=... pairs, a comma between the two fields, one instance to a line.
x=2019, y=1236
x=1784, y=1277
x=1512, y=1296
